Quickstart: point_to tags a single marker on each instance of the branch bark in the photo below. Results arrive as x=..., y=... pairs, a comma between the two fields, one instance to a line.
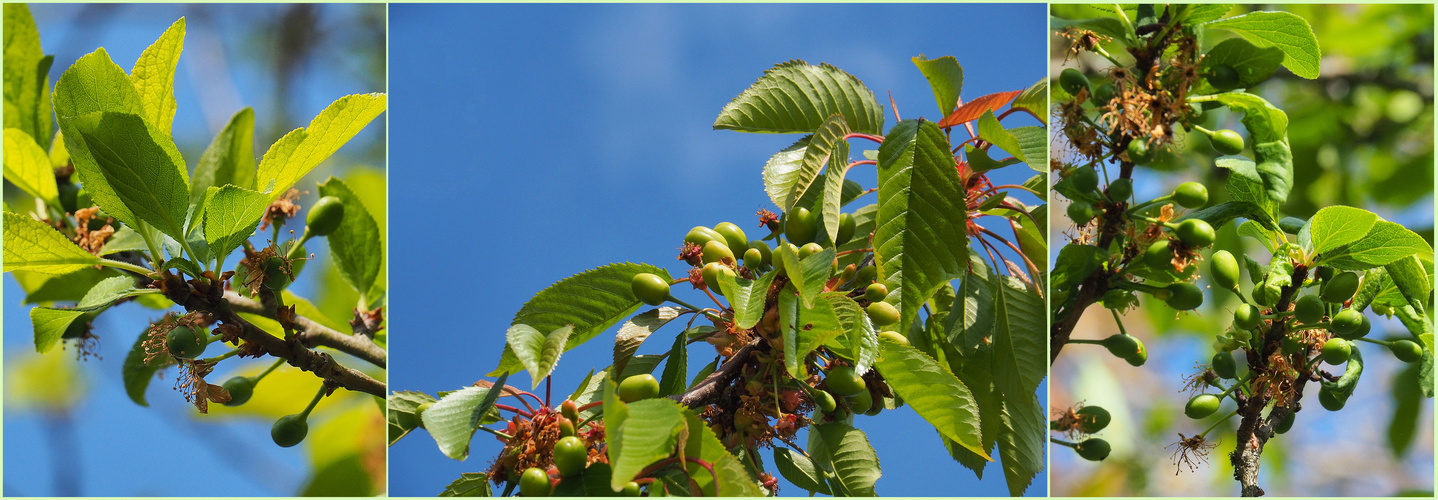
x=317, y=335
x=1094, y=286
x=708, y=390
x=1254, y=430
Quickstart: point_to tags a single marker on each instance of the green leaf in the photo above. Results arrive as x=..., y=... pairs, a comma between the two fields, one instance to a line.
x=1287, y=31
x=1384, y=243
x=826, y=144
x=301, y=150
x=592, y=301
x=1021, y=440
x=858, y=341
x=813, y=272
x=1074, y=264
x=137, y=374
x=469, y=484
x=846, y=451
x=402, y=413
x=1202, y=13
x=632, y=334
x=229, y=159
x=451, y=420
x=594, y=482
x=1033, y=147
x=1407, y=407
x=50, y=323
x=231, y=215
x=1265, y=123
x=94, y=84
x=933, y=393
x=356, y=246
x=536, y=351
x=834, y=187
x=1245, y=184
x=782, y=171
x=27, y=166
x=1020, y=339
x=979, y=160
x=991, y=130
x=734, y=478
x=798, y=97
x=1221, y=214
x=746, y=297
x=1031, y=233
x=648, y=432
x=920, y=241
x=946, y=77
x=1258, y=232
x=975, y=298
x=800, y=470
x=26, y=85
x=139, y=164
x=1106, y=26
x=1275, y=165
x=1035, y=100
x=804, y=328
x=672, y=381
x=32, y=245
x=154, y=76
x=1411, y=280
x=1335, y=226
x=1252, y=63
x=975, y=373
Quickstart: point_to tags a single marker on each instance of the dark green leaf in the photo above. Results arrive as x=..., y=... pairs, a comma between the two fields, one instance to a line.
x=946, y=77
x=1287, y=31
x=1021, y=440
x=800, y=470
x=632, y=334
x=797, y=97
x=933, y=393
x=846, y=451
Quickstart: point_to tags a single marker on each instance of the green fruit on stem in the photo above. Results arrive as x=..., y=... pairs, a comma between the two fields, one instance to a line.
x=184, y=342
x=861, y=402
x=810, y=249
x=1246, y=317
x=534, y=483
x=1119, y=190
x=1159, y=255
x=1336, y=351
x=1346, y=322
x=801, y=226
x=846, y=229
x=240, y=389
x=1085, y=179
x=1080, y=212
x=883, y=313
x=1185, y=296
x=1286, y=424
x=1364, y=326
x=842, y=381
x=1195, y=233
x=1406, y=351
x=1102, y=94
x=733, y=237
x=823, y=401
x=1223, y=269
x=1073, y=81
x=1201, y=406
x=1266, y=294
x=570, y=410
x=1308, y=309
x=894, y=336
x=1123, y=346
x=876, y=292
x=711, y=273
x=1093, y=449
x=866, y=274
x=763, y=249
x=1190, y=195
x=1092, y=419
x=566, y=427
x=289, y=430
x=1224, y=365
x=277, y=276
x=1226, y=141
x=1138, y=152
x=1223, y=77
x=753, y=258
x=1329, y=399
x=325, y=216
x=638, y=387
x=1293, y=344
x=650, y=288
x=631, y=489
x=700, y=235
x=570, y=456
x=839, y=414
x=716, y=251
x=1340, y=288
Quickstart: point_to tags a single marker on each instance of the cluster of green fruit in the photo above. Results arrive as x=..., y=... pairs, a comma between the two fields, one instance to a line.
x=571, y=453
x=323, y=219
x=1224, y=141
x=1085, y=420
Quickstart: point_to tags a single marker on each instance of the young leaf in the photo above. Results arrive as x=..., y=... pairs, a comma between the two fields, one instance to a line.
x=301, y=150
x=946, y=77
x=536, y=351
x=32, y=245
x=1384, y=243
x=1411, y=280
x=798, y=97
x=94, y=84
x=834, y=189
x=1035, y=100
x=231, y=214
x=27, y=166
x=50, y=324
x=991, y=130
x=1287, y=31
x=451, y=420
x=137, y=374
x=976, y=108
x=229, y=159
x=799, y=469
x=919, y=242
x=154, y=76
x=1335, y=226
x=976, y=375
x=847, y=452
x=632, y=334
x=649, y=432
x=824, y=146
x=1033, y=147
x=25, y=75
x=933, y=393
x=1202, y=13
x=357, y=246
x=139, y=163
x=592, y=301
x=746, y=297
x=469, y=484
x=1021, y=442
x=1265, y=123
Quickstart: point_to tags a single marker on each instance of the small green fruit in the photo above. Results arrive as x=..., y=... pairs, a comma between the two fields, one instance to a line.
x=289, y=430
x=1123, y=346
x=1346, y=322
x=1223, y=77
x=1246, y=317
x=534, y=483
x=1340, y=288
x=566, y=427
x=861, y=402
x=700, y=235
x=1266, y=294
x=810, y=249
x=1080, y=212
x=1158, y=255
x=844, y=382
x=276, y=276
x=638, y=387
x=650, y=288
x=240, y=389
x=1102, y=94
x=1138, y=152
x=1196, y=233
x=711, y=273
x=1085, y=179
x=883, y=313
x=1336, y=351
x=1406, y=351
x=1119, y=190
x=631, y=489
x=801, y=226
x=1073, y=81
x=823, y=401
x=846, y=229
x=1223, y=269
x=876, y=292
x=570, y=456
x=1186, y=296
x=716, y=251
x=1329, y=399
x=1224, y=366
x=1201, y=406
x=1308, y=309
x=1093, y=449
x=1364, y=326
x=894, y=336
x=1191, y=195
x=184, y=342
x=1226, y=141
x=753, y=258
x=325, y=216
x=763, y=249
x=1286, y=424
x=1092, y=419
x=733, y=237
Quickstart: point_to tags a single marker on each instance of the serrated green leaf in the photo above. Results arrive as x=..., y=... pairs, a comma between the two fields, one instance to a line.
x=1335, y=226
x=231, y=214
x=1035, y=100
x=977, y=376
x=1021, y=440
x=975, y=298
x=137, y=374
x=746, y=297
x=1221, y=214
x=632, y=334
x=1033, y=145
x=469, y=484
x=592, y=301
x=94, y=84
x=648, y=432
x=857, y=339
x=672, y=381
x=800, y=470
x=991, y=130
x=979, y=160
x=919, y=241
x=798, y=97
x=594, y=482
x=1245, y=184
x=45, y=288
x=1285, y=30
x=402, y=413
x=1275, y=165
x=50, y=323
x=946, y=77
x=27, y=166
x=1411, y=280
x=804, y=329
x=835, y=188
x=1384, y=243
x=934, y=393
x=1265, y=123
x=1253, y=64
x=138, y=162
x=229, y=159
x=451, y=420
x=32, y=245
x=847, y=452
x=539, y=353
x=26, y=84
x=782, y=171
x=813, y=271
x=356, y=246
x=734, y=479
x=826, y=147
x=1261, y=234
x=1202, y=13
x=154, y=76
x=301, y=150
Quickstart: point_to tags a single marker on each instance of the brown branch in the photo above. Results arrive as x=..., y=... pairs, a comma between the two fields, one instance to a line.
x=1254, y=431
x=314, y=334
x=707, y=391
x=1096, y=284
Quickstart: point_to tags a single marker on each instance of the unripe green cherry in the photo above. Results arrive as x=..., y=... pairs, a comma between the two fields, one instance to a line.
x=289, y=430
x=1336, y=351
x=566, y=427
x=1224, y=365
x=1120, y=189
x=753, y=258
x=847, y=226
x=1364, y=326
x=1102, y=94
x=1293, y=344
x=570, y=410
x=716, y=251
x=638, y=387
x=1246, y=317
x=1266, y=294
x=1201, y=406
x=1092, y=419
x=631, y=489
x=883, y=313
x=325, y=216
x=876, y=292
x=1340, y=288
x=1186, y=296
x=700, y=235
x=1085, y=179
x=810, y=249
x=1308, y=309
x=1286, y=424
x=763, y=249
x=184, y=342
x=1346, y=322
x=1122, y=346
x=240, y=389
x=1073, y=81
x=711, y=273
x=1226, y=141
x=1329, y=399
x=1093, y=449
x=570, y=456
x=1406, y=351
x=843, y=381
x=861, y=402
x=1190, y=195
x=650, y=288
x=1223, y=77
x=801, y=226
x=1138, y=152
x=1223, y=269
x=894, y=336
x=823, y=401
x=733, y=237
x=1196, y=233
x=534, y=483
x=1080, y=212
x=276, y=278
x=1158, y=255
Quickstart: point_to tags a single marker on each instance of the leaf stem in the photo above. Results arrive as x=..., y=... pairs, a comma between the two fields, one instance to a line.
x=126, y=266
x=1215, y=424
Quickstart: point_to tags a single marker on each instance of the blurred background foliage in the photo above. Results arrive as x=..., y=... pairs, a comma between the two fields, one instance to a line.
x=70, y=429
x=1362, y=135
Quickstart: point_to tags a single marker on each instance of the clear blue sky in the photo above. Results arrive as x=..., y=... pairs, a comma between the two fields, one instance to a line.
x=530, y=143
x=125, y=449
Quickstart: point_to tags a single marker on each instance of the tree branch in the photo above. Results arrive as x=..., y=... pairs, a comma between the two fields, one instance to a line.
x=317, y=335
x=707, y=391
x=1096, y=284
x=1254, y=431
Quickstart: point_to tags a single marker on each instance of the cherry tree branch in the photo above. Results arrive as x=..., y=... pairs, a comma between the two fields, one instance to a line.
x=314, y=334
x=707, y=391
x=1254, y=431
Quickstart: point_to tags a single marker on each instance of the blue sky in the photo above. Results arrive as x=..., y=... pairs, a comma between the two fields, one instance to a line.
x=124, y=449
x=530, y=143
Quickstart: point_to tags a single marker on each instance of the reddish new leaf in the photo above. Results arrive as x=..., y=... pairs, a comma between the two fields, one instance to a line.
x=974, y=109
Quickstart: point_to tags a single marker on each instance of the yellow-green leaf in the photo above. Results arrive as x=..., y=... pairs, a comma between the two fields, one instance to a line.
x=28, y=167
x=35, y=246
x=301, y=150
x=154, y=76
